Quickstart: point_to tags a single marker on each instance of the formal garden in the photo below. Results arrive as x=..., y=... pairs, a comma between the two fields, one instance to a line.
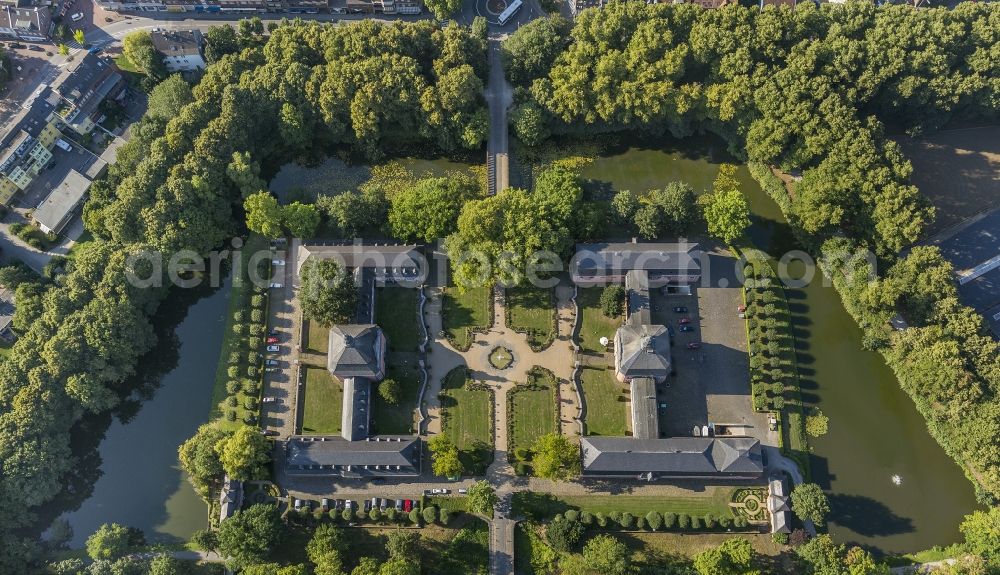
x=593, y=323
x=606, y=399
x=467, y=419
x=465, y=311
x=396, y=400
x=322, y=401
x=239, y=375
x=532, y=311
x=532, y=411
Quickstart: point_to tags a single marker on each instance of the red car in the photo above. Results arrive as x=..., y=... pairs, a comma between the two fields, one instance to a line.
x=407, y=505
x=272, y=339
x=684, y=321
x=694, y=345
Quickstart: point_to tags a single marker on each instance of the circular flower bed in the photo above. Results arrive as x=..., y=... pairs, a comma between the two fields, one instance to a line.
x=501, y=357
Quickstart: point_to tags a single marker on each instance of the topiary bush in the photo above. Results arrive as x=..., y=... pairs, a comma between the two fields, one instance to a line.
x=231, y=415
x=695, y=523
x=740, y=522
x=572, y=515
x=654, y=520
x=640, y=523
x=602, y=520
x=725, y=522
x=231, y=401
x=709, y=521
x=430, y=514
x=669, y=520
x=587, y=518
x=232, y=387
x=683, y=521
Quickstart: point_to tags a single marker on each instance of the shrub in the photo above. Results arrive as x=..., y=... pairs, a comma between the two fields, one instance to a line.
x=725, y=522
x=695, y=523
x=683, y=521
x=444, y=517
x=234, y=358
x=777, y=388
x=669, y=520
x=348, y=515
x=780, y=538
x=375, y=514
x=430, y=514
x=778, y=403
x=709, y=521
x=231, y=415
x=390, y=514
x=654, y=520
x=256, y=330
x=233, y=372
x=522, y=454
x=627, y=520
x=602, y=521
x=640, y=522
x=414, y=516
x=613, y=300
x=572, y=515
x=586, y=518
x=257, y=315
x=740, y=522
x=520, y=468
x=557, y=517
x=232, y=386
x=239, y=316
x=231, y=401
x=239, y=328
x=257, y=301
x=615, y=516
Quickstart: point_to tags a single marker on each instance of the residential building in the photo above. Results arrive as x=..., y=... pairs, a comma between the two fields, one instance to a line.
x=789, y=3
x=608, y=263
x=83, y=88
x=671, y=458
x=6, y=313
x=387, y=264
x=181, y=49
x=56, y=209
x=26, y=147
x=21, y=21
x=379, y=456
x=385, y=6
x=778, y=506
x=230, y=498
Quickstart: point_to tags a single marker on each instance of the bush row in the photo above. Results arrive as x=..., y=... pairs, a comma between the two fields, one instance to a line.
x=416, y=517
x=654, y=521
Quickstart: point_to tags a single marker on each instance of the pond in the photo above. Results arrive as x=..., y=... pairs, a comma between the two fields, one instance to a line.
x=875, y=430
x=140, y=483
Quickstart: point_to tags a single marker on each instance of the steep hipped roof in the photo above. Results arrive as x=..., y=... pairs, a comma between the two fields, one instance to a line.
x=334, y=455
x=645, y=421
x=675, y=456
x=619, y=257
x=644, y=351
x=356, y=351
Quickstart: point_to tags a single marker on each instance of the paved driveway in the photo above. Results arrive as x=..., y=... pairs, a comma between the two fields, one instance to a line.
x=284, y=318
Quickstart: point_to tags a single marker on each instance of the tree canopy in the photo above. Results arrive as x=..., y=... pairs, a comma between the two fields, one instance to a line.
x=554, y=456
x=328, y=293
x=244, y=454
x=428, y=210
x=249, y=535
x=809, y=503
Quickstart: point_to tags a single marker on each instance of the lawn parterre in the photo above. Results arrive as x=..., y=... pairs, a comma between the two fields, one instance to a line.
x=396, y=313
x=322, y=402
x=317, y=337
x=464, y=312
x=533, y=412
x=467, y=418
x=532, y=311
x=593, y=323
x=606, y=400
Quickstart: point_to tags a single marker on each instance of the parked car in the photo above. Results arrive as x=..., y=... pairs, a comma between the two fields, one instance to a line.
x=35, y=48
x=463, y=491
x=687, y=328
x=325, y=504
x=273, y=333
x=684, y=320
x=407, y=505
x=694, y=345
x=278, y=262
x=368, y=505
x=269, y=399
x=272, y=339
x=273, y=348
x=399, y=505
x=76, y=17
x=273, y=362
x=270, y=433
x=382, y=504
x=64, y=145
x=277, y=286
x=271, y=369
x=348, y=504
x=440, y=491
x=298, y=504
x=680, y=309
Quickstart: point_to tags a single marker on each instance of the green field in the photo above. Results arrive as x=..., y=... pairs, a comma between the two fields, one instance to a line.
x=468, y=420
x=607, y=412
x=540, y=506
x=396, y=308
x=533, y=310
x=322, y=402
x=317, y=338
x=463, y=311
x=535, y=412
x=593, y=323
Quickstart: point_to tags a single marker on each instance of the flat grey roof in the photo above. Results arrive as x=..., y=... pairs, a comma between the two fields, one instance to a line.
x=325, y=455
x=62, y=200
x=177, y=42
x=672, y=457
x=355, y=413
x=645, y=420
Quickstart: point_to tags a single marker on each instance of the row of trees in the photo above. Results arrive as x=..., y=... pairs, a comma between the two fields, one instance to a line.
x=803, y=88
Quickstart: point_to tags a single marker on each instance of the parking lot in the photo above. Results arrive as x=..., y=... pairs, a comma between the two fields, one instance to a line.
x=712, y=382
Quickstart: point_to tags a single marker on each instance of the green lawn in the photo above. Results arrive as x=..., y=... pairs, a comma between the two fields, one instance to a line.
x=322, y=401
x=463, y=311
x=607, y=412
x=239, y=299
x=317, y=338
x=541, y=506
x=533, y=310
x=468, y=421
x=398, y=419
x=396, y=308
x=593, y=324
x=535, y=412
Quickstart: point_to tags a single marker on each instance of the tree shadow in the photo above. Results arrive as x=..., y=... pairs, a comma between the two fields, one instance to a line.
x=866, y=516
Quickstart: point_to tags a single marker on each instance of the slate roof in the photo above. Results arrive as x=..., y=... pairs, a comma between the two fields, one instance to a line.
x=642, y=351
x=645, y=420
x=378, y=456
x=402, y=258
x=624, y=256
x=672, y=457
x=355, y=414
x=356, y=350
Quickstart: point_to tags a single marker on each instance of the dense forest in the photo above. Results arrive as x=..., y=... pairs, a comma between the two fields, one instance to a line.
x=179, y=184
x=810, y=89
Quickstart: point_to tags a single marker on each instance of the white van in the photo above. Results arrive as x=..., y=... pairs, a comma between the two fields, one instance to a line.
x=64, y=144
